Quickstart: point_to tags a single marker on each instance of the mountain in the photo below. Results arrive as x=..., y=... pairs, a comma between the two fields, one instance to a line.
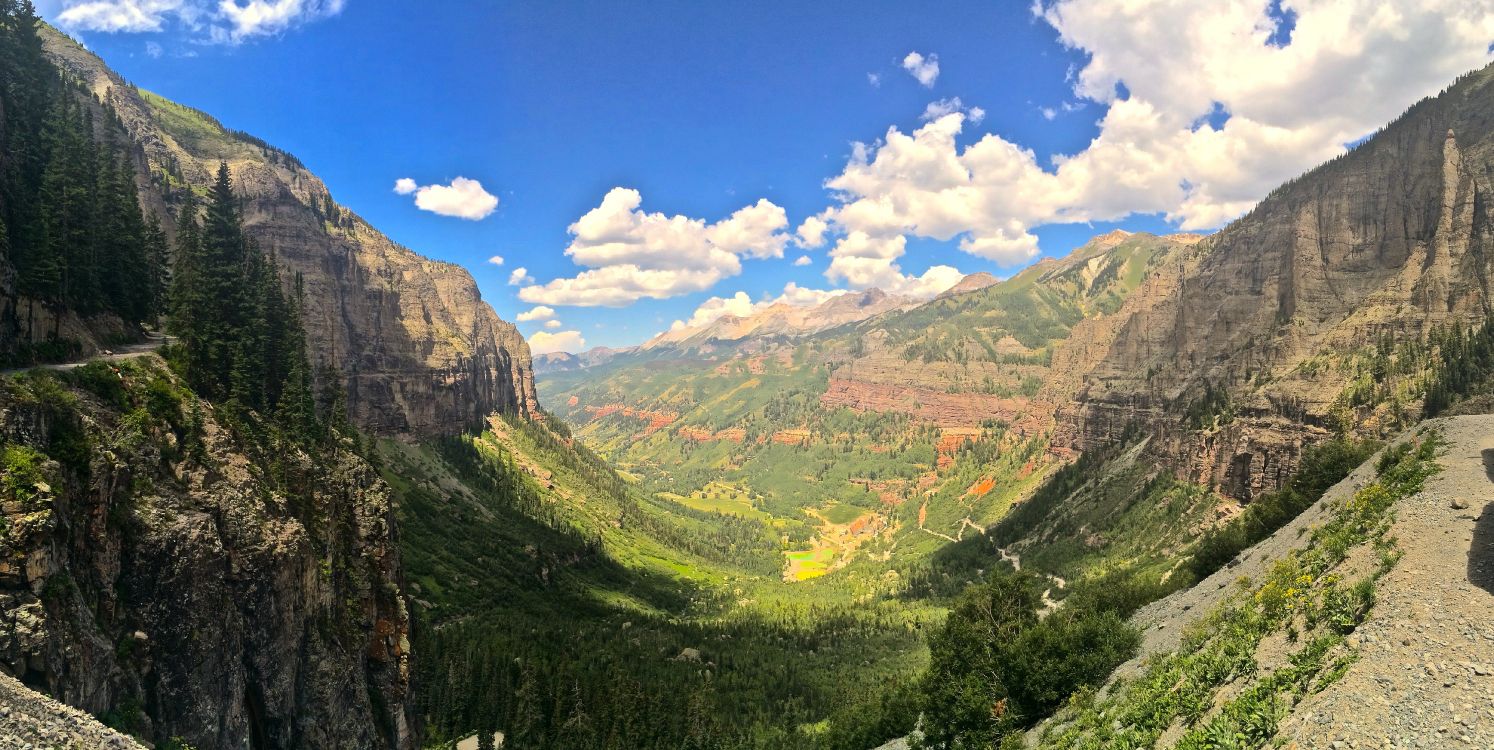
x=781, y=319
x=1281, y=315
x=418, y=349
x=971, y=283
x=565, y=361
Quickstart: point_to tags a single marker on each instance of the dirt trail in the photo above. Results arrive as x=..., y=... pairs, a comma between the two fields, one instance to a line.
x=1058, y=583
x=1425, y=673
x=153, y=342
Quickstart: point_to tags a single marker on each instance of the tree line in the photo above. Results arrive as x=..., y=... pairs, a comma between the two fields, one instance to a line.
x=71, y=225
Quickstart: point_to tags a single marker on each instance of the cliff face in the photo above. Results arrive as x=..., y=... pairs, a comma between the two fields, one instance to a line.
x=1394, y=238
x=420, y=352
x=181, y=577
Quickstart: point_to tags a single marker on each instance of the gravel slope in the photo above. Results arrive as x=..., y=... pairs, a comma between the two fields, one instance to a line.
x=30, y=720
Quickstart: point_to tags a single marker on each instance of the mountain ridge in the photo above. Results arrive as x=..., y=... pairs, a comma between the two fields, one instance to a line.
x=419, y=351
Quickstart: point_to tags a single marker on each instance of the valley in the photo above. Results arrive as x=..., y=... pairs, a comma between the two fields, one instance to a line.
x=270, y=479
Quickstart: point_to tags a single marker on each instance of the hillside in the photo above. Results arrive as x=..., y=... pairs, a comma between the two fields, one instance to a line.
x=419, y=351
x=165, y=559
x=1375, y=597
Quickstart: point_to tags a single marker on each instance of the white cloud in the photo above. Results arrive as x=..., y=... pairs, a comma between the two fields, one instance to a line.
x=799, y=296
x=1350, y=66
x=942, y=107
x=265, y=17
x=738, y=304
x=219, y=21
x=925, y=69
x=112, y=16
x=802, y=260
x=496, y=260
x=520, y=277
x=564, y=341
x=538, y=313
x=811, y=233
x=153, y=50
x=1049, y=113
x=552, y=324
x=874, y=79
x=629, y=254
x=462, y=199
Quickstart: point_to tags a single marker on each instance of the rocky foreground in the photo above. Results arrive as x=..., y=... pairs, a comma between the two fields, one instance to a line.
x=31, y=720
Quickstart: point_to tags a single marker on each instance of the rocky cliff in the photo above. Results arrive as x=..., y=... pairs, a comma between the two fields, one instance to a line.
x=1386, y=242
x=420, y=352
x=181, y=573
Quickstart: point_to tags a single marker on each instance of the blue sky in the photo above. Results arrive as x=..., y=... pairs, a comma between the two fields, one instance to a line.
x=706, y=108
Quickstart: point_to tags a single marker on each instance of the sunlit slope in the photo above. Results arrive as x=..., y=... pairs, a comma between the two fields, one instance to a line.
x=877, y=440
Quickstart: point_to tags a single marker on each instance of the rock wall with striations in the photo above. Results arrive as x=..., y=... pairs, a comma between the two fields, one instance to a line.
x=1392, y=238
x=420, y=352
x=180, y=577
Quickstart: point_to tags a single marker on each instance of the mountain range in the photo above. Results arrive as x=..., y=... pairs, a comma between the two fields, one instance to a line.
x=772, y=529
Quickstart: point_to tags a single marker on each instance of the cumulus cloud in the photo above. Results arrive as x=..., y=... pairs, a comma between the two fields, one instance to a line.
x=811, y=233
x=538, y=313
x=265, y=17
x=520, y=277
x=462, y=199
x=942, y=107
x=543, y=342
x=1288, y=102
x=496, y=260
x=713, y=309
x=802, y=260
x=629, y=254
x=552, y=324
x=216, y=21
x=925, y=69
x=114, y=16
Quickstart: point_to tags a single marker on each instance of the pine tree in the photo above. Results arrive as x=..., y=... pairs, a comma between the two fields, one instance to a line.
x=189, y=300
x=158, y=265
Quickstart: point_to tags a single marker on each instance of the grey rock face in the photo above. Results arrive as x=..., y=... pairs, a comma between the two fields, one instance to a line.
x=162, y=579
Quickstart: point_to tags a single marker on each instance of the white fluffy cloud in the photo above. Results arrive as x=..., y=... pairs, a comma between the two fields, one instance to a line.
x=520, y=277
x=738, y=304
x=219, y=21
x=538, y=313
x=113, y=16
x=544, y=342
x=925, y=69
x=629, y=254
x=462, y=199
x=802, y=260
x=496, y=260
x=942, y=107
x=1348, y=67
x=811, y=233
x=552, y=324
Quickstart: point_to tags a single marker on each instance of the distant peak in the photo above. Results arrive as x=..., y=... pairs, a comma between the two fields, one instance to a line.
x=1111, y=239
x=971, y=283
